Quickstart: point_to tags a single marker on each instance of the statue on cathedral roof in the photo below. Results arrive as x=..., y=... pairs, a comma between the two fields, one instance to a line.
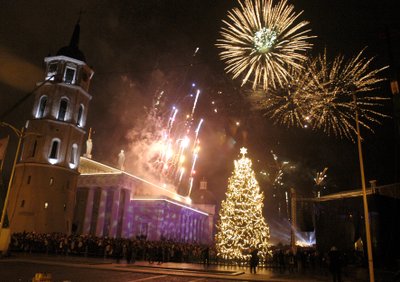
x=121, y=160
x=89, y=145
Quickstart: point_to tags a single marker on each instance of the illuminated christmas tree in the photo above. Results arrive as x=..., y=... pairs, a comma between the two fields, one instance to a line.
x=241, y=226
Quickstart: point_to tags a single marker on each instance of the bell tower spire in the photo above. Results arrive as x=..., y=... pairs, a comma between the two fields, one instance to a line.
x=75, y=35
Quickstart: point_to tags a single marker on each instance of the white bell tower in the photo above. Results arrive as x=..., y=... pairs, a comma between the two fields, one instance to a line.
x=42, y=196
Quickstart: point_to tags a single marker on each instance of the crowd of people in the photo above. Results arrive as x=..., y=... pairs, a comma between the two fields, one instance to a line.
x=113, y=248
x=130, y=250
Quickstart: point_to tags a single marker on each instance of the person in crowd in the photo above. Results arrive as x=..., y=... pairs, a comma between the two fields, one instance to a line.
x=254, y=260
x=118, y=251
x=128, y=252
x=291, y=261
x=206, y=255
x=281, y=261
x=335, y=264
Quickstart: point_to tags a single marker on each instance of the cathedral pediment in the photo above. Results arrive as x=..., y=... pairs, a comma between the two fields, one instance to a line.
x=89, y=166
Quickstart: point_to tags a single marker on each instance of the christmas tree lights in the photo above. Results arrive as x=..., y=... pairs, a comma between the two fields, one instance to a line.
x=241, y=226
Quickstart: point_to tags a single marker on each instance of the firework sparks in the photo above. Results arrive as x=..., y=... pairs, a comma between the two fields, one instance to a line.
x=261, y=41
x=279, y=167
x=198, y=130
x=168, y=147
x=289, y=104
x=320, y=177
x=172, y=119
x=195, y=103
x=336, y=85
x=322, y=96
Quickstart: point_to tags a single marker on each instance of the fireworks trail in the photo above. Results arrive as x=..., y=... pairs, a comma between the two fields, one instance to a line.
x=167, y=148
x=172, y=119
x=192, y=170
x=277, y=183
x=195, y=51
x=195, y=103
x=198, y=130
x=262, y=40
x=279, y=166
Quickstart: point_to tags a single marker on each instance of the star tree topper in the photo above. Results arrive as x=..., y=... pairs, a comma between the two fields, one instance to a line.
x=243, y=151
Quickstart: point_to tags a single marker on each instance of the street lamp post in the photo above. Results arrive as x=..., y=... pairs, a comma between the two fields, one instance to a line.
x=5, y=234
x=365, y=201
x=293, y=199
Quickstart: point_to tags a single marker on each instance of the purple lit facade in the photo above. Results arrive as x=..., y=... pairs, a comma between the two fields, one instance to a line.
x=112, y=203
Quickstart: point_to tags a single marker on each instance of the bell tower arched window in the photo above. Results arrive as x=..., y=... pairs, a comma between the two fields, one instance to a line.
x=80, y=116
x=73, y=159
x=54, y=151
x=41, y=107
x=62, y=111
x=52, y=70
x=70, y=74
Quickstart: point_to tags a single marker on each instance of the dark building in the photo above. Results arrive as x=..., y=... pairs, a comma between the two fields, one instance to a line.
x=339, y=221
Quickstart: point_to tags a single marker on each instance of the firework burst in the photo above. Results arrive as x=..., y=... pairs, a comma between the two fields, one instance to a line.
x=261, y=41
x=322, y=95
x=338, y=88
x=288, y=105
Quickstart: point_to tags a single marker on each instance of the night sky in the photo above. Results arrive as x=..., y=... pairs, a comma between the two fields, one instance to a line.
x=137, y=48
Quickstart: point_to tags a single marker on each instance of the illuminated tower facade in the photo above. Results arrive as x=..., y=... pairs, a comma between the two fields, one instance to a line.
x=42, y=196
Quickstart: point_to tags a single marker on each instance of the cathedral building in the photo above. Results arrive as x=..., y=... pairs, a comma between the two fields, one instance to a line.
x=56, y=190
x=111, y=202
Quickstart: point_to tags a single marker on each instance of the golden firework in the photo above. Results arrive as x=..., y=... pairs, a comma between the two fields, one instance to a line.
x=338, y=89
x=324, y=95
x=288, y=104
x=261, y=41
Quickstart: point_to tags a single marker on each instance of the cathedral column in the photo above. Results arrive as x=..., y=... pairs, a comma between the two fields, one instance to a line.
x=115, y=212
x=177, y=226
x=158, y=225
x=201, y=232
x=210, y=227
x=199, y=235
x=183, y=228
x=88, y=211
x=192, y=224
x=196, y=232
x=102, y=213
x=204, y=234
x=201, y=238
x=127, y=217
x=194, y=229
x=187, y=228
x=184, y=224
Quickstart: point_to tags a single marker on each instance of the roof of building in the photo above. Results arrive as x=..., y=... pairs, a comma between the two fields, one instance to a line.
x=96, y=172
x=93, y=173
x=391, y=191
x=203, y=196
x=72, y=50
